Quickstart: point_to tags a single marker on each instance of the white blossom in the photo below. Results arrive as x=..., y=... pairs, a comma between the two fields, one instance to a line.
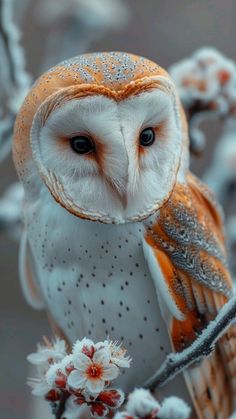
x=39, y=385
x=58, y=372
x=118, y=355
x=91, y=372
x=141, y=403
x=207, y=76
x=174, y=408
x=45, y=356
x=74, y=411
x=85, y=373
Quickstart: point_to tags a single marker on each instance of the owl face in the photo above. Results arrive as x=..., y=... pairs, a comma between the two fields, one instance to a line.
x=107, y=158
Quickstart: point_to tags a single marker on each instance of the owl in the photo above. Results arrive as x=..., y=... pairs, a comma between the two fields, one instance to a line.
x=120, y=239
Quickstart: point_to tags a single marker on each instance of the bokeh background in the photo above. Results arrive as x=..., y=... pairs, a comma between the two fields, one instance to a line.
x=162, y=30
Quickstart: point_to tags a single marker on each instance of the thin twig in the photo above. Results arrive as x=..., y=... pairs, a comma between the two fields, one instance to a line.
x=61, y=407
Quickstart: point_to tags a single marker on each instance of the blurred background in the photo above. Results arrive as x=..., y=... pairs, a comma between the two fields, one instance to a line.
x=163, y=30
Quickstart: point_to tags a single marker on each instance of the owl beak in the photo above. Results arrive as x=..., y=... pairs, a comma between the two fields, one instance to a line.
x=121, y=194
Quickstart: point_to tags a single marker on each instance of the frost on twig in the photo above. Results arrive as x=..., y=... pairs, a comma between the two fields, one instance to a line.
x=14, y=80
x=202, y=347
x=206, y=83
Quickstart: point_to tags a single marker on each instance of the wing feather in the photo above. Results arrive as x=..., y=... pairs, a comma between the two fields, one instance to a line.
x=187, y=242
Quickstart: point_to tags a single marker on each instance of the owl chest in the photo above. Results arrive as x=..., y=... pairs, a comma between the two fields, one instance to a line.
x=96, y=283
x=90, y=259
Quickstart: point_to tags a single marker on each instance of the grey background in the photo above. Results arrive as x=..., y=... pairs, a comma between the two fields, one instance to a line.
x=164, y=31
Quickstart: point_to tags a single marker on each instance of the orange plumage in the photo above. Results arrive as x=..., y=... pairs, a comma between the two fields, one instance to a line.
x=188, y=240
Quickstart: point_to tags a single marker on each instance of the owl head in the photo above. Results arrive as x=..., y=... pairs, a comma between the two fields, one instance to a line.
x=106, y=134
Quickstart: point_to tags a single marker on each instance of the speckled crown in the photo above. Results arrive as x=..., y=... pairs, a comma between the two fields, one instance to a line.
x=109, y=69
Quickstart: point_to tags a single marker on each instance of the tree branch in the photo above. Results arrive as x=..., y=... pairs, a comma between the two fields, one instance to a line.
x=202, y=347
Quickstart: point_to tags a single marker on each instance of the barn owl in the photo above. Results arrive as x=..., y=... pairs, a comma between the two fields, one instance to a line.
x=121, y=240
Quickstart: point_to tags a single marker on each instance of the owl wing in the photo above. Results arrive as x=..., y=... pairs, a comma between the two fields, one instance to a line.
x=186, y=256
x=27, y=275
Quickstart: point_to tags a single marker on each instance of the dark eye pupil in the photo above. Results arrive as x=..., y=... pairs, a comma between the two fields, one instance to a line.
x=82, y=144
x=147, y=137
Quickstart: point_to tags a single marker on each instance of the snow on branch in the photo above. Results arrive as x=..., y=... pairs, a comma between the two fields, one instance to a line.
x=202, y=347
x=14, y=80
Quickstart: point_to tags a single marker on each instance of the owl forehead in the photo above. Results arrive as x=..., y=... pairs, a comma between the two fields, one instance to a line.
x=99, y=113
x=110, y=69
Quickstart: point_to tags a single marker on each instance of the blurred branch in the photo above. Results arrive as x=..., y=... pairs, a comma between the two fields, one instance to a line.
x=206, y=82
x=14, y=80
x=75, y=24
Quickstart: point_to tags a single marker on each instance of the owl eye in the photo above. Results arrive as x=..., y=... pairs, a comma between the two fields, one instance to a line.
x=82, y=144
x=147, y=137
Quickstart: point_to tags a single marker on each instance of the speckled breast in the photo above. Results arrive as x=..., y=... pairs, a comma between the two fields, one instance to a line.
x=96, y=283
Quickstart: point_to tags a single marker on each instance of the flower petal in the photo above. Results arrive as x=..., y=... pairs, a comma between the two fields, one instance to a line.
x=76, y=380
x=118, y=355
x=37, y=358
x=52, y=373
x=111, y=372
x=67, y=364
x=55, y=352
x=102, y=356
x=114, y=398
x=74, y=410
x=121, y=362
x=81, y=362
x=95, y=386
x=40, y=388
x=124, y=415
x=100, y=345
x=53, y=395
x=99, y=410
x=78, y=346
